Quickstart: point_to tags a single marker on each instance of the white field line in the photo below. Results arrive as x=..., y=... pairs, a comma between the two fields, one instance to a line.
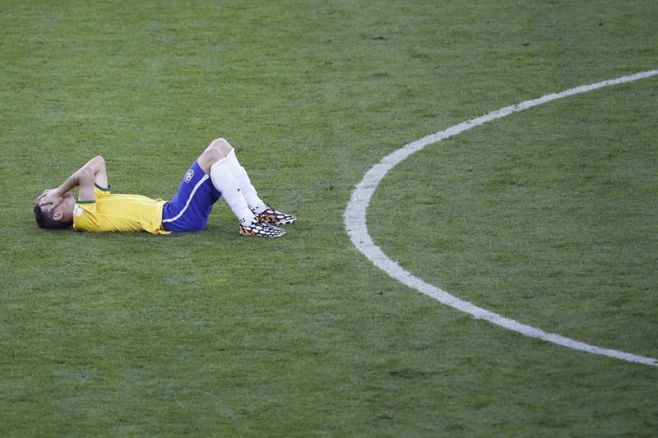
x=355, y=224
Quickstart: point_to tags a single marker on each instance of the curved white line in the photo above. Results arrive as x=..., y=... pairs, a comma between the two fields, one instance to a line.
x=355, y=224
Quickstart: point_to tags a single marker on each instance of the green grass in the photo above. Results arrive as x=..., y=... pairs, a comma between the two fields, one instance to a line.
x=547, y=216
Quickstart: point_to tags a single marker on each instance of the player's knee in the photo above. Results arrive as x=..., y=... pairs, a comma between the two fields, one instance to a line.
x=222, y=146
x=218, y=150
x=209, y=157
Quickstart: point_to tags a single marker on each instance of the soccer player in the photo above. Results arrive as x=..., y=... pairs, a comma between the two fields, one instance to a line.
x=216, y=173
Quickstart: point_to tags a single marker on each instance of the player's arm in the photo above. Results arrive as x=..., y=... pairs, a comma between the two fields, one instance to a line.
x=93, y=172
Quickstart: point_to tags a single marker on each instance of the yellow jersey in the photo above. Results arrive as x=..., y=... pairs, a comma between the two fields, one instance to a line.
x=118, y=212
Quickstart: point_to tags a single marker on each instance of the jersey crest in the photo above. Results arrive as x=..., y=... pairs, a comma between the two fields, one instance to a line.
x=188, y=175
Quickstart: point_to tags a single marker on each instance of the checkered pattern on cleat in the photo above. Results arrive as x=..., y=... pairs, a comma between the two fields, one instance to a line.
x=272, y=216
x=259, y=229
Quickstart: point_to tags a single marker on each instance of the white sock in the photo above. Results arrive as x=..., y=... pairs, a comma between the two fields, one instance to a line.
x=246, y=187
x=223, y=180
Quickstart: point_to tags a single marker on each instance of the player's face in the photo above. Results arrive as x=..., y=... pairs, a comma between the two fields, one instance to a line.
x=66, y=207
x=64, y=210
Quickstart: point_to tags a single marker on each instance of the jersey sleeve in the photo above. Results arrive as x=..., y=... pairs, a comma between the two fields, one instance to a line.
x=102, y=191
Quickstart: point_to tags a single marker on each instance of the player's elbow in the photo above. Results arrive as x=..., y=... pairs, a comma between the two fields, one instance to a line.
x=86, y=174
x=93, y=166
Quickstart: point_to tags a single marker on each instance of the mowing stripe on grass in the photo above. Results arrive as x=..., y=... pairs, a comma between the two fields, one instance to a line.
x=355, y=224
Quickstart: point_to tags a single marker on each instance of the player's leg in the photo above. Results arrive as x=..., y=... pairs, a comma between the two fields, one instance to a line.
x=238, y=172
x=264, y=212
x=216, y=164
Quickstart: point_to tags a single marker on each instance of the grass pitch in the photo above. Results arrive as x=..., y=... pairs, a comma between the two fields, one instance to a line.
x=547, y=216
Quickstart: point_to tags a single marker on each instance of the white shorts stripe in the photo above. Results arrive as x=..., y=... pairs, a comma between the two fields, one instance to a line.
x=187, y=203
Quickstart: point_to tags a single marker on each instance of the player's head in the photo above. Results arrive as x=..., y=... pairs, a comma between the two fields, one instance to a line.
x=55, y=217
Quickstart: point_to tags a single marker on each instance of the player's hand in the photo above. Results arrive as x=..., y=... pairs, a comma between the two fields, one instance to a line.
x=49, y=197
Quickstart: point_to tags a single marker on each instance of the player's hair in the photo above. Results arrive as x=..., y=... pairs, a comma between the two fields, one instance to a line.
x=45, y=219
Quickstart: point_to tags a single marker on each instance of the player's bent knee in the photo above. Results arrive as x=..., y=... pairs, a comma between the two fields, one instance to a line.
x=221, y=145
x=209, y=157
x=216, y=151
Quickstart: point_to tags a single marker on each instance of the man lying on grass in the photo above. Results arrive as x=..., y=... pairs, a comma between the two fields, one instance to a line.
x=216, y=173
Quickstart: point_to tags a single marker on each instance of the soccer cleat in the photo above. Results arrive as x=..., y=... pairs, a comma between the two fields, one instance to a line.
x=259, y=229
x=272, y=216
